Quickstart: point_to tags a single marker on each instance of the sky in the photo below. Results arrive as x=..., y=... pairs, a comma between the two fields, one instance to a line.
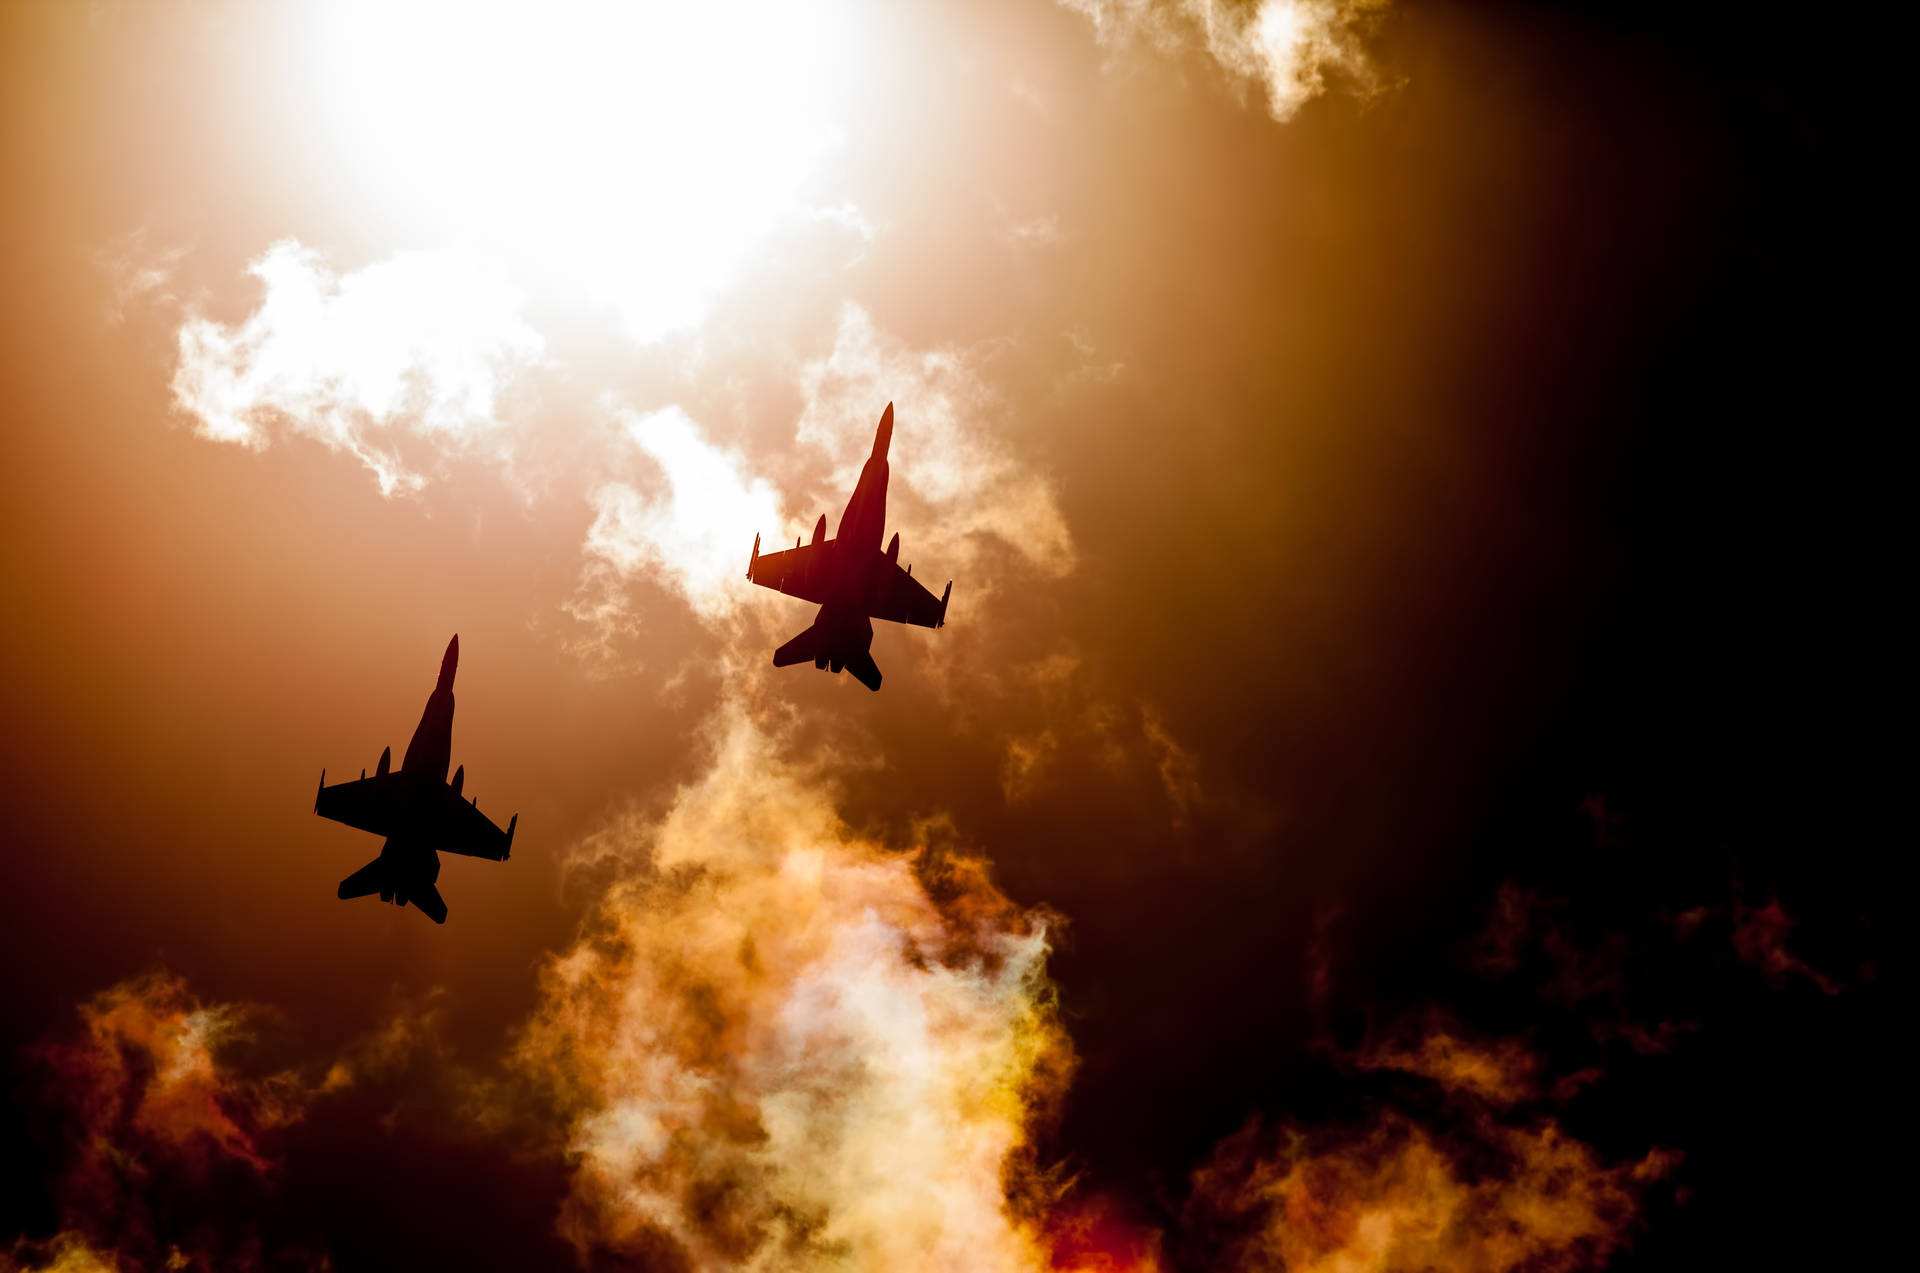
x=1389, y=792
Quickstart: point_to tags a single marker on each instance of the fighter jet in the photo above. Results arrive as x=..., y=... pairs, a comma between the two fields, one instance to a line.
x=417, y=809
x=850, y=578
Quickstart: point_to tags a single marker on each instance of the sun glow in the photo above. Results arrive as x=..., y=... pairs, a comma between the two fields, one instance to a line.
x=630, y=156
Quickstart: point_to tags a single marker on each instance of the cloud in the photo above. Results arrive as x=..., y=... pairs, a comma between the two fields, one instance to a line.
x=1760, y=938
x=154, y=1099
x=1399, y=1198
x=1292, y=48
x=682, y=510
x=691, y=532
x=1501, y=1072
x=963, y=484
x=1485, y=1190
x=1035, y=232
x=151, y=1063
x=64, y=1253
x=1024, y=762
x=412, y=350
x=1057, y=721
x=778, y=1044
x=1179, y=770
x=413, y=1037
x=138, y=272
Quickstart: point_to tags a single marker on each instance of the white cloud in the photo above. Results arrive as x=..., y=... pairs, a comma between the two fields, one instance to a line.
x=693, y=533
x=687, y=516
x=416, y=346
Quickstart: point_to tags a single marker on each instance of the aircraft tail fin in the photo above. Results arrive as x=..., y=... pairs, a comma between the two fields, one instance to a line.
x=801, y=649
x=370, y=878
x=427, y=898
x=864, y=669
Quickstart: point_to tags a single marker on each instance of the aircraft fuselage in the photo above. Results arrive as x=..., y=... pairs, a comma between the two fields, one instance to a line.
x=857, y=569
x=416, y=810
x=850, y=577
x=430, y=751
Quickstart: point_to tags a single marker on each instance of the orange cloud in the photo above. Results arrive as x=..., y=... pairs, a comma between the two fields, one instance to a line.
x=780, y=1045
x=1398, y=1198
x=1501, y=1072
x=148, y=1076
x=66, y=1253
x=153, y=1100
x=1293, y=49
x=1487, y=1192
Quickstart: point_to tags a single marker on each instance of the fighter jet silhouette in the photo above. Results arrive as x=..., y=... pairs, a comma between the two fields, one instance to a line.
x=417, y=809
x=850, y=578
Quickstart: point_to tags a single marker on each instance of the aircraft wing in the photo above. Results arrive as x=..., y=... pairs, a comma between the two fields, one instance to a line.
x=464, y=829
x=375, y=804
x=798, y=572
x=902, y=599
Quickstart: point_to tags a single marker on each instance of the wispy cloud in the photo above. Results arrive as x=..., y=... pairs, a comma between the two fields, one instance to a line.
x=688, y=523
x=1494, y=1185
x=1293, y=49
x=963, y=481
x=413, y=349
x=139, y=273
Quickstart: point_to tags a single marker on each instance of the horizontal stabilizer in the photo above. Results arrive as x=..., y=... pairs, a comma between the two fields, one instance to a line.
x=864, y=669
x=802, y=649
x=368, y=879
x=427, y=898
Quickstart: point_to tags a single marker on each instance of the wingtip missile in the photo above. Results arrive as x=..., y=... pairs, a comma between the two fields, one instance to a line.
x=754, y=560
x=944, y=597
x=512, y=822
x=322, y=787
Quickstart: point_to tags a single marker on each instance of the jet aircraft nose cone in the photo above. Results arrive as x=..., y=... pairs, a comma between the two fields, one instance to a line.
x=884, y=436
x=451, y=661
